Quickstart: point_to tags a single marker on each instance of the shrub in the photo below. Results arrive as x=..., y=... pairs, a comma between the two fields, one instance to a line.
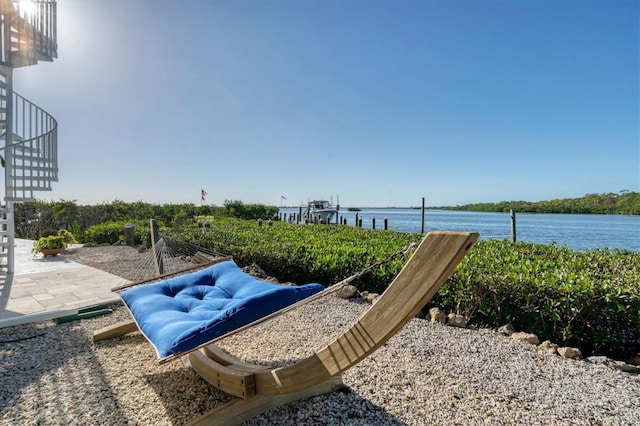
x=325, y=254
x=587, y=299
x=112, y=232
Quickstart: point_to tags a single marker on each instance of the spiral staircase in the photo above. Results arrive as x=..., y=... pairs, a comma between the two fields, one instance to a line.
x=28, y=34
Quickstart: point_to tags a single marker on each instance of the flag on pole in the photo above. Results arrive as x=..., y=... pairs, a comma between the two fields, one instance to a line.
x=203, y=194
x=283, y=197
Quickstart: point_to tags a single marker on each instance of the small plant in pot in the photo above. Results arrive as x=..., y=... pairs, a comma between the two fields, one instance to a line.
x=51, y=244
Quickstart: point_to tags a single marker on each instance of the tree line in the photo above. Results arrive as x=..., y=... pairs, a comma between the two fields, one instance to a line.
x=624, y=202
x=31, y=218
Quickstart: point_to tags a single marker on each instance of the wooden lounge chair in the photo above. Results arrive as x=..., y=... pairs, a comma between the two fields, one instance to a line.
x=258, y=388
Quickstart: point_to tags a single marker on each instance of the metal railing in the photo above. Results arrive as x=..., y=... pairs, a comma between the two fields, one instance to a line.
x=32, y=157
x=35, y=31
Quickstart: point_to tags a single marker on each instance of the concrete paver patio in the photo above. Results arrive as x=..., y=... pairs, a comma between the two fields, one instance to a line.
x=43, y=288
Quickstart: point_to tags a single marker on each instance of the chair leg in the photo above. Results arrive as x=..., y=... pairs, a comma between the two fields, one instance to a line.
x=239, y=410
x=115, y=330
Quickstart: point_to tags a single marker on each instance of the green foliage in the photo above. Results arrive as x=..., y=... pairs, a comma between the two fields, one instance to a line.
x=325, y=254
x=53, y=240
x=113, y=232
x=50, y=242
x=66, y=212
x=32, y=217
x=67, y=236
x=240, y=210
x=587, y=299
x=48, y=232
x=625, y=202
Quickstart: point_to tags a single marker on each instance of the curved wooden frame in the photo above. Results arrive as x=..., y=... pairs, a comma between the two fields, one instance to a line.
x=259, y=389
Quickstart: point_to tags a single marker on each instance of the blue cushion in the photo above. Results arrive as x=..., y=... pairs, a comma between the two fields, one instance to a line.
x=184, y=312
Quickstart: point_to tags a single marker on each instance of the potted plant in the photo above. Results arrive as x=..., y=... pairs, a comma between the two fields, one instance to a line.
x=53, y=243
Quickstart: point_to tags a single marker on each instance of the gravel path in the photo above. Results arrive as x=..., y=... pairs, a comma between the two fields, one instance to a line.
x=427, y=374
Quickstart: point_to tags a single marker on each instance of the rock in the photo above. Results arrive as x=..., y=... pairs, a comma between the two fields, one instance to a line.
x=618, y=365
x=256, y=271
x=437, y=315
x=346, y=291
x=567, y=352
x=548, y=347
x=600, y=360
x=201, y=257
x=507, y=329
x=142, y=248
x=628, y=368
x=526, y=337
x=369, y=297
x=456, y=320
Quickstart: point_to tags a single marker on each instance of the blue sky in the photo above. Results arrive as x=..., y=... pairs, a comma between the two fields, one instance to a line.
x=378, y=102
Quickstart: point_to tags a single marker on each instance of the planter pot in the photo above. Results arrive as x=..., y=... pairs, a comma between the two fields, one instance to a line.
x=51, y=252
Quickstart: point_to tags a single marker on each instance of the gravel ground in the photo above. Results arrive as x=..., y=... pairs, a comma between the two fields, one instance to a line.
x=428, y=374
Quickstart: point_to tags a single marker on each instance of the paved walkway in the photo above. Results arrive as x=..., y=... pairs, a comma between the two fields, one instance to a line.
x=44, y=288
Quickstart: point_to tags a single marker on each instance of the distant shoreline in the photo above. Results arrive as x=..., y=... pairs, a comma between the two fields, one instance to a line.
x=357, y=209
x=625, y=203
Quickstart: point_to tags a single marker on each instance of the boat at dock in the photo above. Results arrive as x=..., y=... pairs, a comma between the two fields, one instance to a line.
x=319, y=211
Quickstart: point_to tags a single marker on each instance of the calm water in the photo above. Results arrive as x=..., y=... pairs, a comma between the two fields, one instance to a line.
x=576, y=231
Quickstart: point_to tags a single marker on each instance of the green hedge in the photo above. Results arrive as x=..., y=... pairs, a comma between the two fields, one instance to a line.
x=587, y=299
x=113, y=232
x=324, y=254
